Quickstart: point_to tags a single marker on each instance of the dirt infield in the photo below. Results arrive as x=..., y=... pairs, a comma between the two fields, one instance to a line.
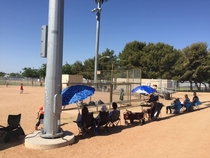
x=173, y=136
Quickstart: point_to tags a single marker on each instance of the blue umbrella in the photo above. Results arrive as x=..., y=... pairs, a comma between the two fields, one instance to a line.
x=76, y=93
x=143, y=89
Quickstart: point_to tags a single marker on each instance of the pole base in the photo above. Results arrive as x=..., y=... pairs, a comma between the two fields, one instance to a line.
x=34, y=141
x=51, y=136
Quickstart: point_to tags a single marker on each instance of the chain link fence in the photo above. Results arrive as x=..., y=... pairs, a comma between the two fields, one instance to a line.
x=18, y=80
x=110, y=82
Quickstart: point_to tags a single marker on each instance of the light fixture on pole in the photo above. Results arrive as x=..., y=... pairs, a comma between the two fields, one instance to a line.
x=104, y=57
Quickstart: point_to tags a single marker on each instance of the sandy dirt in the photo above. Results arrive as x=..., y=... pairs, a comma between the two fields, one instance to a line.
x=173, y=136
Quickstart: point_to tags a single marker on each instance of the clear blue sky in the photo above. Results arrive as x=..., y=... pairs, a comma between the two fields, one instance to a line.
x=176, y=22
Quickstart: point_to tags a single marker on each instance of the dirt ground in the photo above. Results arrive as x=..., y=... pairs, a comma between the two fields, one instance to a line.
x=173, y=136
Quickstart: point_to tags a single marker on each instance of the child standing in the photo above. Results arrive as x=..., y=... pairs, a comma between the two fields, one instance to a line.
x=40, y=116
x=21, y=88
x=121, y=94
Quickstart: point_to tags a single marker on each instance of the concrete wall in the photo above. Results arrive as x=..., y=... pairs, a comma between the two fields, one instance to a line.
x=71, y=79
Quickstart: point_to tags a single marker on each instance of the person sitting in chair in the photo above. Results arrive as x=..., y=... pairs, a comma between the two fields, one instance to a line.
x=149, y=113
x=103, y=109
x=114, y=106
x=176, y=105
x=114, y=116
x=187, y=104
x=80, y=123
x=195, y=100
x=85, y=111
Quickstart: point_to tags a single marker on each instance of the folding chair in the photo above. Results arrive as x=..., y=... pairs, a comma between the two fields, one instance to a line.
x=176, y=107
x=197, y=104
x=87, y=124
x=189, y=107
x=104, y=120
x=183, y=108
x=114, y=119
x=157, y=111
x=13, y=130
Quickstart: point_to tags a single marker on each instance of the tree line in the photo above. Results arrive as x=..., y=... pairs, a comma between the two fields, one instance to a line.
x=159, y=60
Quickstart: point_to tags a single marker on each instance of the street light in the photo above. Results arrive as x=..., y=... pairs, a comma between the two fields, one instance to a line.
x=98, y=13
x=104, y=57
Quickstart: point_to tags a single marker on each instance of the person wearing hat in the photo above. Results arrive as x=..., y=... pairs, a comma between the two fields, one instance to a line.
x=103, y=109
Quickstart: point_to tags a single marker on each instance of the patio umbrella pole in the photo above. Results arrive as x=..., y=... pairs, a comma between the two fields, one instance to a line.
x=78, y=108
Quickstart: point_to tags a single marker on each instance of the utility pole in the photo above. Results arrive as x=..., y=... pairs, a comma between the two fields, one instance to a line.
x=111, y=86
x=53, y=83
x=98, y=15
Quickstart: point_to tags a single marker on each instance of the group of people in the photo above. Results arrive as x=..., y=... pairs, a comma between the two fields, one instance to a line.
x=151, y=113
x=40, y=116
x=97, y=119
x=177, y=104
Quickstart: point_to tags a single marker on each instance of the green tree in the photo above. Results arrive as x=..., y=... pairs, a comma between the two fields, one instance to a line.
x=131, y=55
x=67, y=69
x=155, y=60
x=194, y=64
x=89, y=68
x=13, y=74
x=159, y=60
x=42, y=71
x=107, y=62
x=77, y=67
x=29, y=72
x=2, y=74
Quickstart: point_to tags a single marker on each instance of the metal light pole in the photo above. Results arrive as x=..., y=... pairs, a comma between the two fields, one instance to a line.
x=53, y=99
x=111, y=86
x=98, y=14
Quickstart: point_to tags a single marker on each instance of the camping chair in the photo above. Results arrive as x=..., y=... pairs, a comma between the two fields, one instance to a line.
x=104, y=119
x=157, y=111
x=13, y=130
x=186, y=108
x=177, y=106
x=114, y=119
x=197, y=104
x=87, y=124
x=189, y=107
x=183, y=108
